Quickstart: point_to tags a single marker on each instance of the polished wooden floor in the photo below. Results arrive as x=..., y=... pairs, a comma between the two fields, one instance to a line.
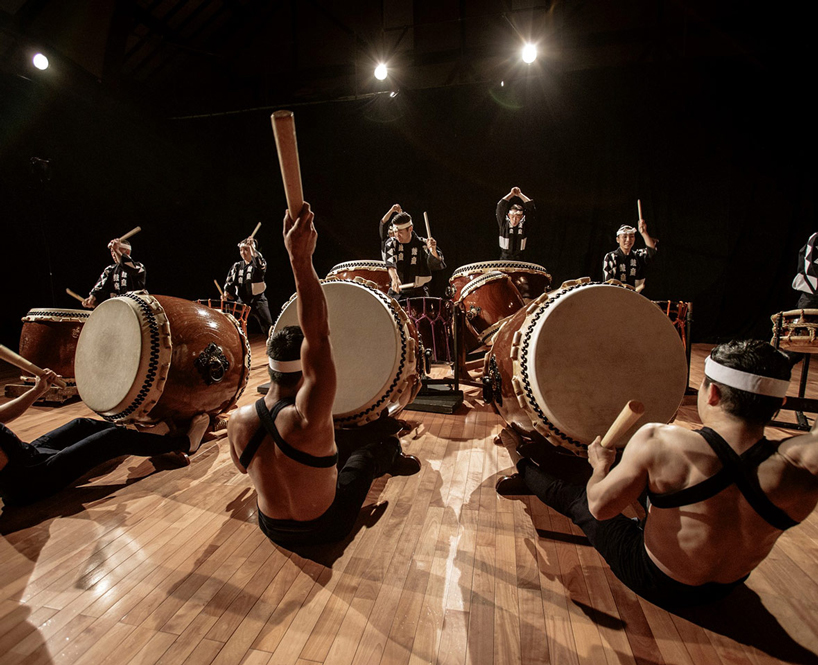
x=141, y=565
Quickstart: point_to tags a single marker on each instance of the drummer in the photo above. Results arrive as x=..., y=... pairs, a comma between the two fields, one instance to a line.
x=123, y=275
x=245, y=283
x=286, y=440
x=514, y=212
x=32, y=471
x=806, y=280
x=385, y=228
x=719, y=497
x=410, y=259
x=627, y=264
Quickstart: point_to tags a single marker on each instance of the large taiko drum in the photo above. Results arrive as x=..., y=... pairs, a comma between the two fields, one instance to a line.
x=795, y=330
x=487, y=301
x=565, y=366
x=372, y=271
x=144, y=359
x=49, y=338
x=531, y=280
x=375, y=347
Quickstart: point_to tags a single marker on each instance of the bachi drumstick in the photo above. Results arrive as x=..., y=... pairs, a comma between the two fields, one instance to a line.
x=132, y=232
x=18, y=361
x=632, y=412
x=287, y=147
x=221, y=292
x=74, y=295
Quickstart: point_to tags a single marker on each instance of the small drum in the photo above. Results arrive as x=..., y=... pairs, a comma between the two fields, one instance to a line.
x=487, y=301
x=795, y=330
x=530, y=279
x=143, y=359
x=237, y=310
x=433, y=319
x=49, y=339
x=373, y=271
x=376, y=351
x=676, y=311
x=566, y=365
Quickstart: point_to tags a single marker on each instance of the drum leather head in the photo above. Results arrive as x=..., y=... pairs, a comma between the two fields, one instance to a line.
x=594, y=348
x=109, y=355
x=368, y=345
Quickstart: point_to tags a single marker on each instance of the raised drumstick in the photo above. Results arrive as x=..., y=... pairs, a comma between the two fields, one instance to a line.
x=132, y=232
x=428, y=230
x=74, y=295
x=18, y=361
x=255, y=230
x=218, y=287
x=632, y=412
x=639, y=207
x=287, y=147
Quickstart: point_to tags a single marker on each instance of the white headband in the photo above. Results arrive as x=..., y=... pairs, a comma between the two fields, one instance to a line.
x=405, y=225
x=625, y=229
x=751, y=383
x=285, y=366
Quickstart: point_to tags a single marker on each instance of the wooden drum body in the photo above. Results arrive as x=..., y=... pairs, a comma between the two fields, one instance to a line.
x=372, y=271
x=375, y=347
x=531, y=280
x=144, y=359
x=566, y=365
x=795, y=330
x=487, y=301
x=237, y=310
x=49, y=339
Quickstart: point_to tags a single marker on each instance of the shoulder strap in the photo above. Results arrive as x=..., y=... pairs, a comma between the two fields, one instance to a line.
x=268, y=422
x=253, y=444
x=743, y=469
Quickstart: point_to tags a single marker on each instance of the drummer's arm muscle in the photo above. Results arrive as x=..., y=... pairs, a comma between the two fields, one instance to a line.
x=233, y=430
x=19, y=405
x=640, y=285
x=317, y=394
x=608, y=496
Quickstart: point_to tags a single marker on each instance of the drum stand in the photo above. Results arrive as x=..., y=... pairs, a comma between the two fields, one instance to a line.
x=442, y=395
x=798, y=404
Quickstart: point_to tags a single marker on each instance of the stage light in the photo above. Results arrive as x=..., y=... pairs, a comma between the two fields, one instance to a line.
x=529, y=53
x=502, y=84
x=393, y=94
x=40, y=61
x=380, y=72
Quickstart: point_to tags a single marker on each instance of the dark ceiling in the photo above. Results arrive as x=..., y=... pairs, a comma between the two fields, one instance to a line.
x=214, y=56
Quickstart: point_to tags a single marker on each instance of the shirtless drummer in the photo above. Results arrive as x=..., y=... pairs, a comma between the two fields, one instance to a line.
x=286, y=440
x=719, y=497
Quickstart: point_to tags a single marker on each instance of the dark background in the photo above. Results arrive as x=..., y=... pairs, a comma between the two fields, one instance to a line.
x=719, y=148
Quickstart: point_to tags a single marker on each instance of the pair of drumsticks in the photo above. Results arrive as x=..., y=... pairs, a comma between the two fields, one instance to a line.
x=132, y=232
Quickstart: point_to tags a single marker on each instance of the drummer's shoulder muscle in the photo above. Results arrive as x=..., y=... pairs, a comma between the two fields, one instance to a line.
x=239, y=430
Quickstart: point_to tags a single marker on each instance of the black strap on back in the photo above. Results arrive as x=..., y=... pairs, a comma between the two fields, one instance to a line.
x=268, y=426
x=738, y=469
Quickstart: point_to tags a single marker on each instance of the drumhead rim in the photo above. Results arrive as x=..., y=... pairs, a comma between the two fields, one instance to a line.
x=352, y=265
x=406, y=364
x=56, y=314
x=483, y=266
x=485, y=278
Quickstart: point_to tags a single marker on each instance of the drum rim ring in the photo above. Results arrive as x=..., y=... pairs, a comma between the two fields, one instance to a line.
x=485, y=278
x=486, y=266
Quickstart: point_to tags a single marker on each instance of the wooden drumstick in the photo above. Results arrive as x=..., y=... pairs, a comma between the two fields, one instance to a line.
x=221, y=292
x=287, y=147
x=74, y=295
x=428, y=230
x=632, y=412
x=639, y=207
x=18, y=361
x=132, y=232
x=255, y=230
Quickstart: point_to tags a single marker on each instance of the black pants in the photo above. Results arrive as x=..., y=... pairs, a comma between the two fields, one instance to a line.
x=621, y=543
x=58, y=458
x=260, y=311
x=354, y=479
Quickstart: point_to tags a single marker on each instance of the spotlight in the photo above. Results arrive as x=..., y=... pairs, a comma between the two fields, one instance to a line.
x=529, y=53
x=502, y=84
x=40, y=61
x=380, y=72
x=393, y=94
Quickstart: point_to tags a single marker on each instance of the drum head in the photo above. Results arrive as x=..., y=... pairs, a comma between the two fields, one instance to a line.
x=594, y=348
x=367, y=344
x=109, y=352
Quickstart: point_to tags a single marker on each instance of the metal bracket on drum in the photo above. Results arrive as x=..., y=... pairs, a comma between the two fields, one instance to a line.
x=212, y=364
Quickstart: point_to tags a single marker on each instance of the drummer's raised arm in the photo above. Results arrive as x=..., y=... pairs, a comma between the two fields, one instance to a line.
x=315, y=398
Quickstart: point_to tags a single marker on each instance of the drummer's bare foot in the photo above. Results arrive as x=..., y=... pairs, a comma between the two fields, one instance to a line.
x=513, y=485
x=196, y=431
